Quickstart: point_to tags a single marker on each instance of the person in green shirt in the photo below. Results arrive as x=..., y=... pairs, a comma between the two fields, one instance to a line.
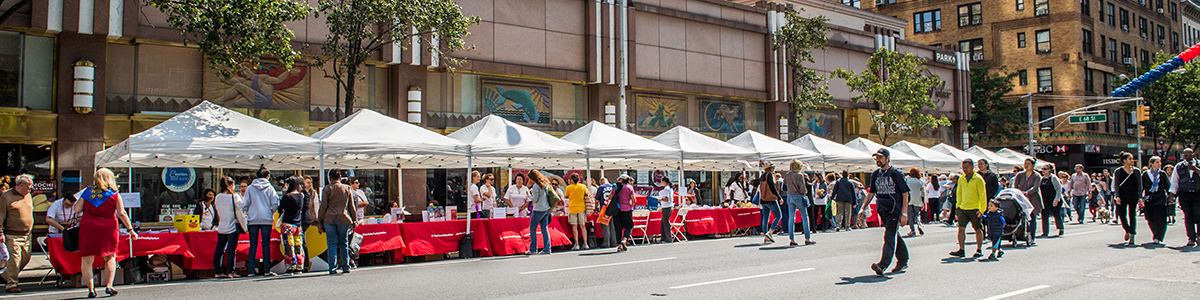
x=972, y=202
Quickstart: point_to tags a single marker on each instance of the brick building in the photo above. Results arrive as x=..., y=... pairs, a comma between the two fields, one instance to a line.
x=1058, y=48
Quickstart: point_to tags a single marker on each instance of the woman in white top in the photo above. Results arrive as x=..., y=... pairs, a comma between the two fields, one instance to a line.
x=933, y=191
x=206, y=211
x=487, y=196
x=231, y=224
x=666, y=200
x=735, y=189
x=518, y=196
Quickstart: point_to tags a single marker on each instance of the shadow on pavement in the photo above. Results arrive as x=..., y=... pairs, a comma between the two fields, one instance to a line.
x=863, y=279
x=599, y=253
x=956, y=260
x=1184, y=249
x=748, y=245
x=784, y=247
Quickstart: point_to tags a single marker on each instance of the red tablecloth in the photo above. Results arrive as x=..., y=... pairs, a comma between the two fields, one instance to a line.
x=745, y=217
x=511, y=236
x=380, y=237
x=425, y=238
x=148, y=244
x=708, y=221
x=204, y=245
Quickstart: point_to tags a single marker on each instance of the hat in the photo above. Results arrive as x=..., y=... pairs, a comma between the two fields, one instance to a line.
x=766, y=164
x=882, y=151
x=623, y=176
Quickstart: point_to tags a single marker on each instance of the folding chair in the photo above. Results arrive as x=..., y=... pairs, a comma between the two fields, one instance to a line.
x=41, y=241
x=643, y=216
x=677, y=223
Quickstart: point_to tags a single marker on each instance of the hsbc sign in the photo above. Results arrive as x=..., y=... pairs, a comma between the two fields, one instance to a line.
x=1050, y=149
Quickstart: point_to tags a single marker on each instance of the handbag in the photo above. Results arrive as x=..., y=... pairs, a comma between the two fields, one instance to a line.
x=603, y=217
x=70, y=238
x=552, y=197
x=239, y=215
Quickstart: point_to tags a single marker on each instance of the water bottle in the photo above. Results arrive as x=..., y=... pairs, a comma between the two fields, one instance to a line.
x=137, y=226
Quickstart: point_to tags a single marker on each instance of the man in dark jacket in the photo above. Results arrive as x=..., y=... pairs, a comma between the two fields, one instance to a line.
x=843, y=194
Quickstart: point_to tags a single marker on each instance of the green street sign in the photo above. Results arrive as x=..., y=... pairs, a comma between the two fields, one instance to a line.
x=1097, y=118
x=1131, y=145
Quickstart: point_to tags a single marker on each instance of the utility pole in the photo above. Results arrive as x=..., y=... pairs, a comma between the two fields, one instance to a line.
x=1029, y=103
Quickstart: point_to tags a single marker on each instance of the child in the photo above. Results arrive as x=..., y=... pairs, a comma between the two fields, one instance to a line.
x=995, y=228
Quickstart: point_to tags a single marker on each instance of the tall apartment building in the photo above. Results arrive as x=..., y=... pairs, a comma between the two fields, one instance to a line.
x=1058, y=48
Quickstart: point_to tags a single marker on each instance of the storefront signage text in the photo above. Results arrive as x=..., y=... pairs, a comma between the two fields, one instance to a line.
x=178, y=179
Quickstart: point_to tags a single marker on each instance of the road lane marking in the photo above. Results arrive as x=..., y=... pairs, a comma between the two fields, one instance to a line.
x=598, y=266
x=1017, y=292
x=1082, y=233
x=739, y=278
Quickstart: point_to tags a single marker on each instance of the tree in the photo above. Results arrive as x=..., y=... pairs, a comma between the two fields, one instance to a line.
x=799, y=37
x=992, y=114
x=1174, y=103
x=360, y=28
x=899, y=85
x=12, y=9
x=234, y=33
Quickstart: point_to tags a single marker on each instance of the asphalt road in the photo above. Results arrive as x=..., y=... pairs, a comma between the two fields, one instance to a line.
x=1086, y=263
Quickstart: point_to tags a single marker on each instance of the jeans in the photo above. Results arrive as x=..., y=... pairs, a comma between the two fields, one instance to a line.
x=1156, y=216
x=1190, y=204
x=773, y=207
x=1127, y=212
x=542, y=219
x=337, y=243
x=1080, y=204
x=914, y=218
x=227, y=247
x=610, y=239
x=797, y=205
x=259, y=235
x=893, y=244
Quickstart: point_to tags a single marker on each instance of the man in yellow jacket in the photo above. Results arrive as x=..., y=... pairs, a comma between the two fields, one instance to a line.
x=972, y=202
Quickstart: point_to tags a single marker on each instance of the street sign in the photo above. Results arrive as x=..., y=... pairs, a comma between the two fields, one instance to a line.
x=1099, y=118
x=1131, y=145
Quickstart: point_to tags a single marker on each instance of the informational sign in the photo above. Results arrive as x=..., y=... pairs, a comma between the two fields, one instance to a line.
x=43, y=194
x=178, y=179
x=1097, y=118
x=131, y=200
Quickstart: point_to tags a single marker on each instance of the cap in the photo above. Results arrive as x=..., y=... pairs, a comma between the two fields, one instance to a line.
x=623, y=176
x=883, y=151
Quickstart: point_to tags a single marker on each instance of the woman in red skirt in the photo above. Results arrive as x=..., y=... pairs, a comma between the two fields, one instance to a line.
x=101, y=207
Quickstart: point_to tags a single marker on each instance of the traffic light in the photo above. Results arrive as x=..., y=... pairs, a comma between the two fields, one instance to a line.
x=1143, y=113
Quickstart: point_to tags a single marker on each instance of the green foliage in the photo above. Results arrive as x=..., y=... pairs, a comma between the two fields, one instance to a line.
x=235, y=33
x=992, y=114
x=360, y=28
x=800, y=36
x=900, y=94
x=1175, y=103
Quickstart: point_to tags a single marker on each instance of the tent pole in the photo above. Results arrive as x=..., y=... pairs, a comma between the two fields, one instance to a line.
x=469, y=169
x=130, y=189
x=321, y=163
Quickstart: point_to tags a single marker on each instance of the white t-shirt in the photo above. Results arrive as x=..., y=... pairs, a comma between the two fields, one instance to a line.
x=489, y=202
x=666, y=197
x=224, y=203
x=206, y=217
x=360, y=197
x=472, y=191
x=60, y=214
x=519, y=196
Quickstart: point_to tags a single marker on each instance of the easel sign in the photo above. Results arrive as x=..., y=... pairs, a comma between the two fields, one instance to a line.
x=131, y=200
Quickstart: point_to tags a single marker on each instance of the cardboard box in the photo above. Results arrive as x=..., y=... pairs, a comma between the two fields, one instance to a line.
x=187, y=223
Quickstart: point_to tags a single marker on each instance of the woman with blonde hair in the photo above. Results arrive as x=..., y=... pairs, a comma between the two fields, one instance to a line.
x=101, y=207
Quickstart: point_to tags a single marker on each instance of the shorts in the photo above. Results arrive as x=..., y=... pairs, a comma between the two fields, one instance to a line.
x=971, y=216
x=577, y=218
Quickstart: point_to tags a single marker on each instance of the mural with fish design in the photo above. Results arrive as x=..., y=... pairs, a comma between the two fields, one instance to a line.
x=517, y=102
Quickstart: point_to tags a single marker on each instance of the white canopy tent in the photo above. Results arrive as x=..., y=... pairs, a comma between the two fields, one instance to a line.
x=1010, y=153
x=701, y=152
x=934, y=161
x=1000, y=164
x=212, y=136
x=897, y=158
x=607, y=147
x=836, y=156
x=772, y=149
x=955, y=152
x=370, y=140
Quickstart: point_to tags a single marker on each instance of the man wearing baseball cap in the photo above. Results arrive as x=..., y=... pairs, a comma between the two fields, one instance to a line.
x=891, y=201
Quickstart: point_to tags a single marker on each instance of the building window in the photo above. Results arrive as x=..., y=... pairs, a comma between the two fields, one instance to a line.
x=1131, y=122
x=854, y=3
x=1045, y=80
x=1113, y=49
x=1145, y=57
x=882, y=2
x=1020, y=40
x=928, y=21
x=1162, y=35
x=1087, y=41
x=1104, y=83
x=1041, y=7
x=1045, y=112
x=1043, y=41
x=1158, y=5
x=1112, y=20
x=27, y=72
x=1086, y=7
x=1125, y=58
x=1175, y=41
x=1087, y=80
x=970, y=14
x=1142, y=26
x=1114, y=118
x=1124, y=20
x=1022, y=77
x=1020, y=5
x=1174, y=14
x=973, y=47
x=1104, y=47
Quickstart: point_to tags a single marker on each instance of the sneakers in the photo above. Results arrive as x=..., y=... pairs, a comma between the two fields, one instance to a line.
x=877, y=269
x=978, y=254
x=1157, y=242
x=809, y=243
x=992, y=257
x=767, y=239
x=1001, y=254
x=1191, y=243
x=959, y=253
x=585, y=247
x=793, y=244
x=921, y=231
x=576, y=247
x=899, y=268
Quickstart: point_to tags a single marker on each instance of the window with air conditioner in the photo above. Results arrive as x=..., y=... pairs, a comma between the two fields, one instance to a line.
x=970, y=14
x=884, y=2
x=1125, y=54
x=1162, y=35
x=1045, y=80
x=1041, y=7
x=1043, y=41
x=1124, y=20
x=1022, y=77
x=927, y=21
x=1142, y=27
x=974, y=48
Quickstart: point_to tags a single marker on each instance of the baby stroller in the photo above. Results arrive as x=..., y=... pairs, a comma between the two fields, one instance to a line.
x=1015, y=217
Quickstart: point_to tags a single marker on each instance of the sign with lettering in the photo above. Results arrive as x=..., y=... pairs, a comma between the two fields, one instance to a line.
x=945, y=58
x=178, y=179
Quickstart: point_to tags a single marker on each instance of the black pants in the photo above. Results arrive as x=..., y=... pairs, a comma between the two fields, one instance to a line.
x=227, y=247
x=1156, y=216
x=935, y=209
x=1127, y=212
x=1190, y=204
x=816, y=214
x=1055, y=212
x=893, y=244
x=624, y=228
x=665, y=226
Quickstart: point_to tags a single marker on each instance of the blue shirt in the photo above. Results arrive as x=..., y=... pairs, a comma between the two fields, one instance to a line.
x=887, y=185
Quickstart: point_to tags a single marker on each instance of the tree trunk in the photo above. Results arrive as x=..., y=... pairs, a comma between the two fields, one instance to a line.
x=350, y=71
